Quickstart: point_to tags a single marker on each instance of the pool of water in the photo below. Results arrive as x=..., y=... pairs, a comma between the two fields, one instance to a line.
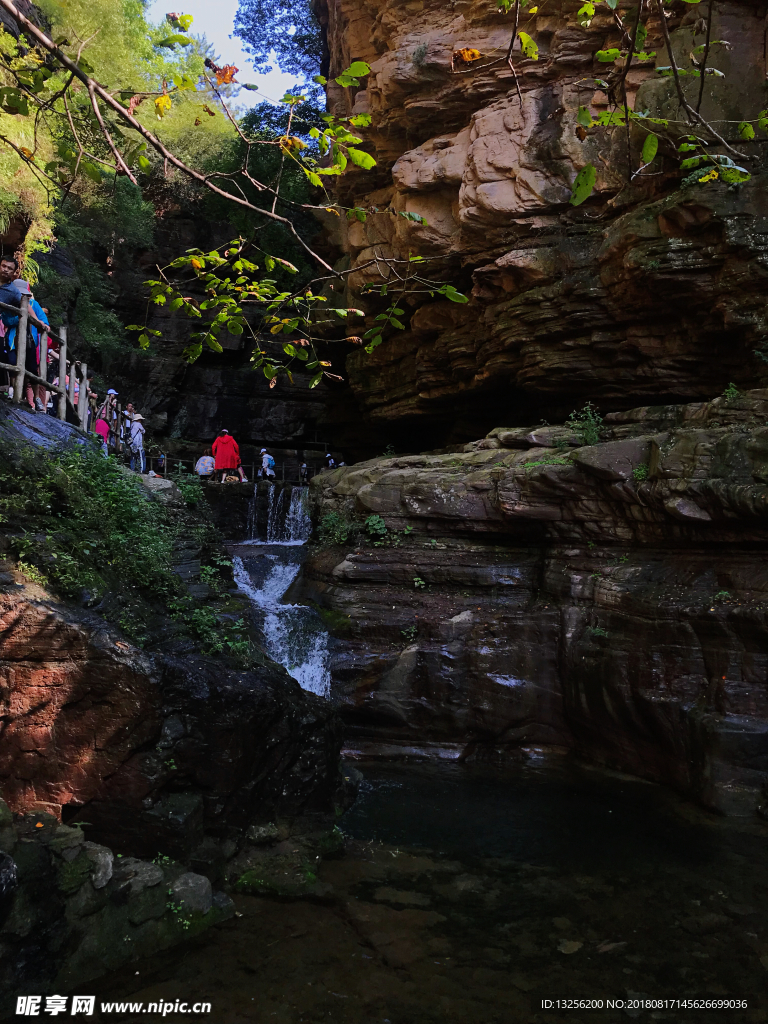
x=552, y=813
x=470, y=895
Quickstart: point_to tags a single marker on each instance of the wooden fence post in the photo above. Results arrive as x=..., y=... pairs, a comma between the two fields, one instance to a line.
x=72, y=382
x=82, y=405
x=21, y=350
x=62, y=411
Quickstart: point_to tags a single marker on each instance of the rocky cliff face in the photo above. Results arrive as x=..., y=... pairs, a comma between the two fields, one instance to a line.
x=607, y=598
x=169, y=754
x=647, y=292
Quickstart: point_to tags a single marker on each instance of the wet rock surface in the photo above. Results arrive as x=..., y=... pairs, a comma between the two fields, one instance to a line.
x=607, y=598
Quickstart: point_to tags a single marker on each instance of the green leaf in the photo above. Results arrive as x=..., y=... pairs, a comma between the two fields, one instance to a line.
x=143, y=341
x=144, y=164
x=650, y=148
x=234, y=327
x=455, y=296
x=746, y=131
x=176, y=304
x=584, y=117
x=358, y=69
x=346, y=80
x=93, y=172
x=528, y=46
x=360, y=120
x=289, y=350
x=361, y=159
x=608, y=56
x=170, y=41
x=316, y=379
x=320, y=79
x=250, y=86
x=302, y=354
x=583, y=185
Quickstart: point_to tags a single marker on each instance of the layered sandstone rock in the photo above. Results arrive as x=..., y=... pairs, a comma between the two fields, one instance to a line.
x=154, y=753
x=607, y=598
x=647, y=290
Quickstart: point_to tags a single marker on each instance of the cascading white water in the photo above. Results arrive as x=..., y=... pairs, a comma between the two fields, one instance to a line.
x=288, y=521
x=293, y=634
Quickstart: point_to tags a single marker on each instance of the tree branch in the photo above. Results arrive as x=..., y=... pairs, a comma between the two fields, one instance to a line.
x=33, y=32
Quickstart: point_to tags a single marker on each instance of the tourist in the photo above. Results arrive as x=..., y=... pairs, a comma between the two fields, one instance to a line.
x=126, y=420
x=267, y=464
x=304, y=474
x=205, y=465
x=330, y=461
x=37, y=396
x=226, y=453
x=8, y=295
x=136, y=443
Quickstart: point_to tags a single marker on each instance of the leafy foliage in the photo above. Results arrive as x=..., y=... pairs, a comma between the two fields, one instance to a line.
x=334, y=528
x=84, y=525
x=586, y=423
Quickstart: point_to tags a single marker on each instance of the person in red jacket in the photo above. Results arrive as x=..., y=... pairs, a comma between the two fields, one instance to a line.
x=226, y=453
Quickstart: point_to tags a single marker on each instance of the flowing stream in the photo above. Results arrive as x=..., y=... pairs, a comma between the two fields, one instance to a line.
x=264, y=570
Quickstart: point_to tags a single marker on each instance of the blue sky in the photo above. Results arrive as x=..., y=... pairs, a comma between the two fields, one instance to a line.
x=215, y=20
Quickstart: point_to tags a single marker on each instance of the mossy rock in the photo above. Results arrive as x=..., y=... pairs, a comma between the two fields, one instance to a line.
x=293, y=884
x=335, y=622
x=73, y=874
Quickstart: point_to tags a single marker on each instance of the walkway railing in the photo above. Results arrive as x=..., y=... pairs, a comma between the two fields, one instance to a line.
x=67, y=370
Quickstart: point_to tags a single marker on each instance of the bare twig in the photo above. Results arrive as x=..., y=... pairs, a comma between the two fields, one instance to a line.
x=120, y=163
x=703, y=67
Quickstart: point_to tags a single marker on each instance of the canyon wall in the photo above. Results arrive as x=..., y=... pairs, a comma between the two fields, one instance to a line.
x=607, y=598
x=647, y=292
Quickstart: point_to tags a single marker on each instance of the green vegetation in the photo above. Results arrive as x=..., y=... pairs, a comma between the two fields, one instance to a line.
x=586, y=424
x=84, y=525
x=640, y=472
x=80, y=525
x=731, y=393
x=376, y=529
x=597, y=631
x=419, y=583
x=410, y=633
x=334, y=528
x=722, y=595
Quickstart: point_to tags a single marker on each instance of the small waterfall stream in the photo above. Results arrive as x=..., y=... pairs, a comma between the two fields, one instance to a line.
x=293, y=634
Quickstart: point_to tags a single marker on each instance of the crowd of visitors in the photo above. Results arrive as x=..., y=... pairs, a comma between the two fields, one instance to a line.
x=222, y=463
x=117, y=429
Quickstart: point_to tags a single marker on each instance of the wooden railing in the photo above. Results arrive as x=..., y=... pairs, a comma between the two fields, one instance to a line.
x=23, y=376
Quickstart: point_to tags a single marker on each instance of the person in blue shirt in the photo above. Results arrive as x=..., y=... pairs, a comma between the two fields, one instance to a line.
x=36, y=395
x=9, y=268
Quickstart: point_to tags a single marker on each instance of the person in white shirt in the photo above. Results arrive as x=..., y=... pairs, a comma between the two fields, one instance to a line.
x=136, y=442
x=267, y=464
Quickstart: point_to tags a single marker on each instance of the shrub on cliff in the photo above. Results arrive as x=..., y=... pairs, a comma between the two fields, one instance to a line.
x=84, y=525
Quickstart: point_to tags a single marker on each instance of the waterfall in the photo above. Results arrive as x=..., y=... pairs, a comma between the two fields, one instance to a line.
x=288, y=520
x=293, y=634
